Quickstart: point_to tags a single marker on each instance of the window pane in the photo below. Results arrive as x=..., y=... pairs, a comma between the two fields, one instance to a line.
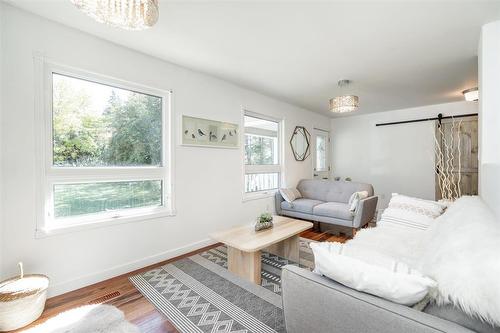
x=89, y=198
x=320, y=153
x=255, y=182
x=96, y=125
x=261, y=142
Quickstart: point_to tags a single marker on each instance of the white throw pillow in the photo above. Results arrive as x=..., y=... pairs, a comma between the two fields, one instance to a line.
x=290, y=194
x=371, y=272
x=428, y=208
x=298, y=195
x=354, y=199
x=404, y=211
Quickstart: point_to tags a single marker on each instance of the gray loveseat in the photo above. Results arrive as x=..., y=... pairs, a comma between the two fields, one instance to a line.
x=327, y=202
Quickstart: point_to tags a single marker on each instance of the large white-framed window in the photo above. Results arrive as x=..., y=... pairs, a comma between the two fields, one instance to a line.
x=263, y=154
x=104, y=148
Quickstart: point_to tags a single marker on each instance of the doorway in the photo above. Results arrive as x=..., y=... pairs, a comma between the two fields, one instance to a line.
x=321, y=154
x=461, y=137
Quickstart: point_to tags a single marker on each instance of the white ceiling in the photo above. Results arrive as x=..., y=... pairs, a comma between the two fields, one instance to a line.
x=398, y=54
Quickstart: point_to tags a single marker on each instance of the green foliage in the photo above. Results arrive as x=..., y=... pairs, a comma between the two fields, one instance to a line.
x=73, y=127
x=127, y=133
x=136, y=130
x=79, y=199
x=259, y=150
x=265, y=217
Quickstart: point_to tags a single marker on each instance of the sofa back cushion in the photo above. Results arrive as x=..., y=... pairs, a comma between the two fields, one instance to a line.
x=331, y=191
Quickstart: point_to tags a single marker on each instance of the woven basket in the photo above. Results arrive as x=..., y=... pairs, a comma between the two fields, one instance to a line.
x=22, y=300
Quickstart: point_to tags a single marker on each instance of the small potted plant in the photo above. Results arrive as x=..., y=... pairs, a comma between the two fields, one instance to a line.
x=265, y=221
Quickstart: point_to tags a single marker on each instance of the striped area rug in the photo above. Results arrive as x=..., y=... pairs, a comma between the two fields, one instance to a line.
x=199, y=294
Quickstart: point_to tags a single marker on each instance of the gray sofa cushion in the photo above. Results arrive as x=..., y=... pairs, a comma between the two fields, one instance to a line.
x=315, y=304
x=334, y=209
x=331, y=191
x=301, y=205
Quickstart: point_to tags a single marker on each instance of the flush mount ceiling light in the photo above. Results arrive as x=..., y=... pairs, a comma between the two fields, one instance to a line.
x=344, y=103
x=471, y=95
x=125, y=14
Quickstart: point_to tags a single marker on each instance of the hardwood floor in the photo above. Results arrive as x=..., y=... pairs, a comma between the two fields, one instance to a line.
x=119, y=292
x=324, y=236
x=123, y=295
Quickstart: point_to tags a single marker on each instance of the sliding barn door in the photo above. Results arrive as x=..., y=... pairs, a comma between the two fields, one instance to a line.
x=467, y=132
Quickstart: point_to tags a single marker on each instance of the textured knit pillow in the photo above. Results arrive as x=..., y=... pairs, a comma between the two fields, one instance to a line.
x=411, y=212
x=428, y=208
x=290, y=194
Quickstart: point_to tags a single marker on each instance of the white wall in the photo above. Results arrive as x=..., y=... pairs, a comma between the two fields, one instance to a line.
x=208, y=181
x=395, y=158
x=489, y=120
x=1, y=115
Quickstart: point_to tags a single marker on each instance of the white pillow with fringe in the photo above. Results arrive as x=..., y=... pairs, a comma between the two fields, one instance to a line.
x=354, y=200
x=409, y=212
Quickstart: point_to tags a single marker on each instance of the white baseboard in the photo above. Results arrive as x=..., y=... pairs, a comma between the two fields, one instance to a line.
x=89, y=279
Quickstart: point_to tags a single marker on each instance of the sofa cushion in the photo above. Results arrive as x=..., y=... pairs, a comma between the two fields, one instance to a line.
x=454, y=314
x=331, y=191
x=301, y=205
x=334, y=209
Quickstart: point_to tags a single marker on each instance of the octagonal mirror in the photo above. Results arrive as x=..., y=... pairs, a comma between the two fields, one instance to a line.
x=300, y=143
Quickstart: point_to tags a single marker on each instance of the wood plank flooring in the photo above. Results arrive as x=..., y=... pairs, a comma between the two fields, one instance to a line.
x=119, y=292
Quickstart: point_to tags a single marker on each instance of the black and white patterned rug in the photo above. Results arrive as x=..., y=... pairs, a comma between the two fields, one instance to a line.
x=199, y=294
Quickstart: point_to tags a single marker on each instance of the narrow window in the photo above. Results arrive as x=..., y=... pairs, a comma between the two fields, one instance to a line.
x=262, y=153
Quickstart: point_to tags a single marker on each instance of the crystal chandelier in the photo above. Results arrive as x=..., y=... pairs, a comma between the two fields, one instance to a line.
x=344, y=103
x=125, y=14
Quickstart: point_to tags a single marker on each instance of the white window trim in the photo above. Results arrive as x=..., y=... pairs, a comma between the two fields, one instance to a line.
x=47, y=175
x=250, y=196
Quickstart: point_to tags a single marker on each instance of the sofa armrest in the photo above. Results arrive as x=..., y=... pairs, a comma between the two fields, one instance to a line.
x=365, y=211
x=312, y=303
x=278, y=199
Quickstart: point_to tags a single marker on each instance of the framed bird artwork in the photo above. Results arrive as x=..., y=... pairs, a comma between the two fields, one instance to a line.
x=209, y=133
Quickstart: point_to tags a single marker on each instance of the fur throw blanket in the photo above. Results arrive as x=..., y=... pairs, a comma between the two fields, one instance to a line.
x=460, y=251
x=99, y=318
x=462, y=254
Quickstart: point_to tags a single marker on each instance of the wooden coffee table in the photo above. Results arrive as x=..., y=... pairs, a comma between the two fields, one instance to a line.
x=244, y=245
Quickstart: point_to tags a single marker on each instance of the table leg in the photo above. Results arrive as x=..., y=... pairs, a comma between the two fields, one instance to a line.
x=288, y=248
x=244, y=264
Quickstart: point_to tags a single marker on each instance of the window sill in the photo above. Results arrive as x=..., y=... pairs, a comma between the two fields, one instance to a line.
x=53, y=231
x=258, y=195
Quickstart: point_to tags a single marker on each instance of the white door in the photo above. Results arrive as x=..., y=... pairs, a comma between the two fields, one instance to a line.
x=321, y=154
